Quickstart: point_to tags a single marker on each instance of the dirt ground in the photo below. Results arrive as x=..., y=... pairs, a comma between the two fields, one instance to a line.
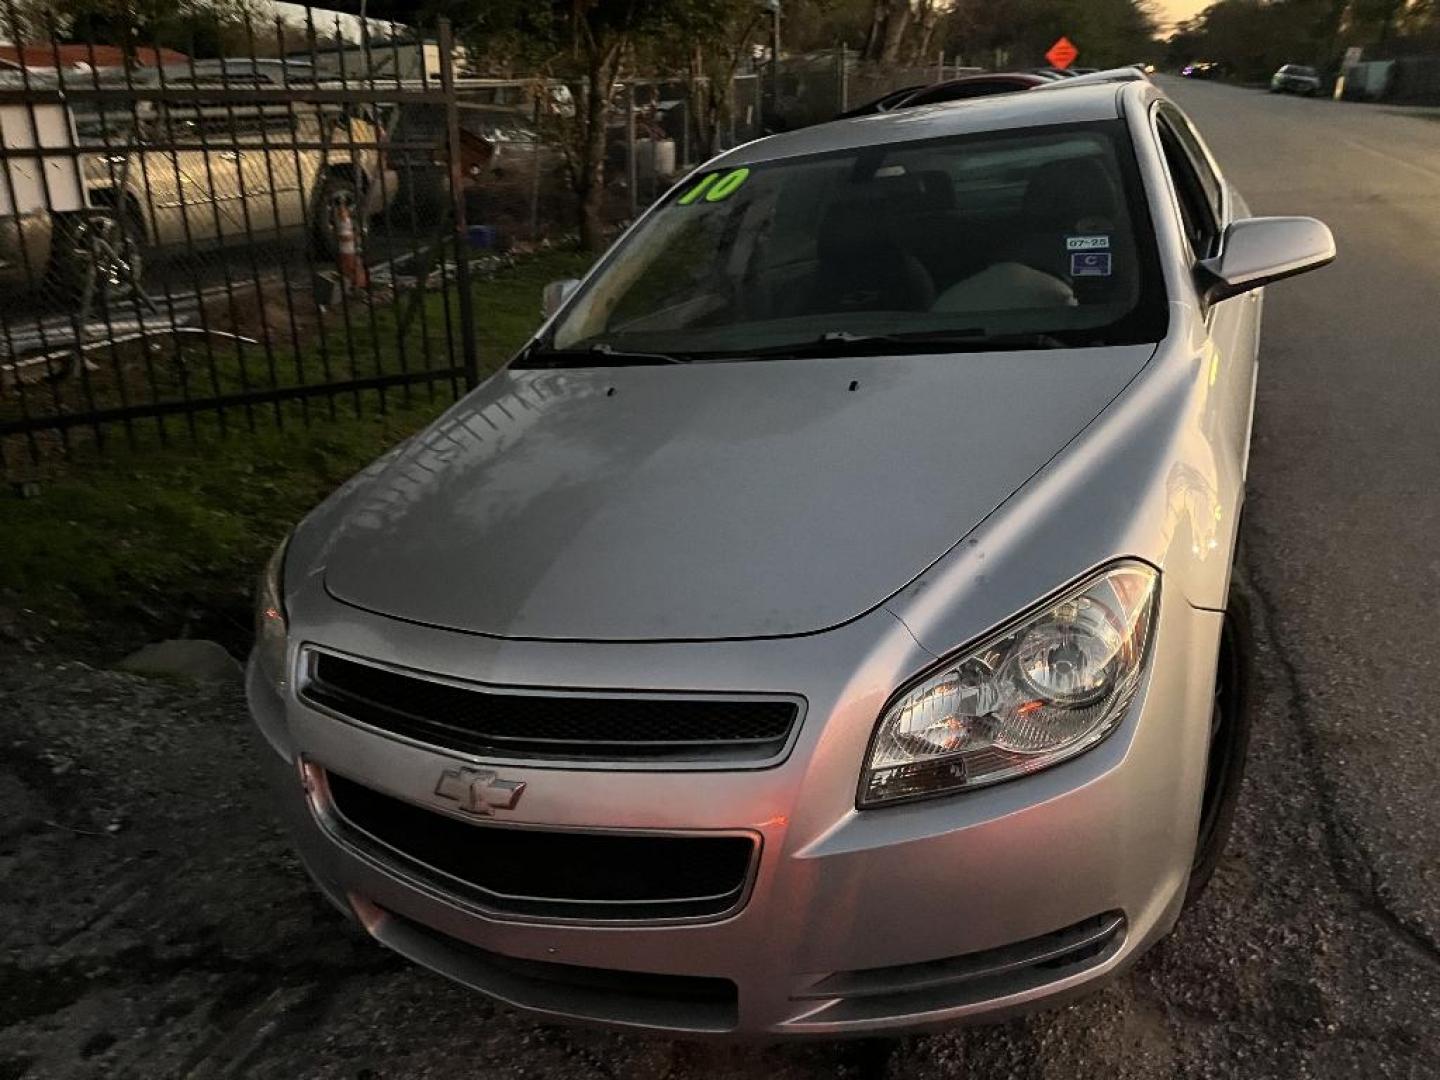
x=153, y=923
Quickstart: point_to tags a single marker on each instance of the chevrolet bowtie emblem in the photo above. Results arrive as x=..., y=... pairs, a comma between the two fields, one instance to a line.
x=479, y=791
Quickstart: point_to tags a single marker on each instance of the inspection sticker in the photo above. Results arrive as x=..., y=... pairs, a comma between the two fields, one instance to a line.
x=1089, y=264
x=1087, y=243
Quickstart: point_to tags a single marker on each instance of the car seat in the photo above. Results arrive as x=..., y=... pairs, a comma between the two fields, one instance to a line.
x=861, y=265
x=1067, y=200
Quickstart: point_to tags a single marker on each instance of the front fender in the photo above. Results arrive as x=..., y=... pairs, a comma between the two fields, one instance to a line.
x=1151, y=477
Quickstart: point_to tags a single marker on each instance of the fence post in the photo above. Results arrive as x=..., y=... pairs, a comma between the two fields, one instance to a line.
x=535, y=169
x=774, y=6
x=732, y=113
x=684, y=132
x=657, y=129
x=842, y=91
x=457, y=197
x=940, y=70
x=631, y=173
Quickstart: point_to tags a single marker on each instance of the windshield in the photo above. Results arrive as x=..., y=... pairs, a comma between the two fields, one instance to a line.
x=1036, y=234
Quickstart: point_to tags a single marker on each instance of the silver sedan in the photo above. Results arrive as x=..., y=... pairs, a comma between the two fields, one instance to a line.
x=824, y=625
x=1295, y=79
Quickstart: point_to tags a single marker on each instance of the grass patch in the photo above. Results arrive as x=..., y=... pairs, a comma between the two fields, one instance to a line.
x=148, y=541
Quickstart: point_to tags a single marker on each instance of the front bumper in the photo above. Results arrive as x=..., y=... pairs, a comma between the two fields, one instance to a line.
x=963, y=908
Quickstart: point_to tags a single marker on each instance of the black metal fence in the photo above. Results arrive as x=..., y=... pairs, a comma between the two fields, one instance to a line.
x=291, y=229
x=210, y=244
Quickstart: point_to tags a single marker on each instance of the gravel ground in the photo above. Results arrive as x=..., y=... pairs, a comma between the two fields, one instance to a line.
x=153, y=923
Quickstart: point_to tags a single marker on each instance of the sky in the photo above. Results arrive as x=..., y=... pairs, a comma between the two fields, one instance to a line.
x=1172, y=11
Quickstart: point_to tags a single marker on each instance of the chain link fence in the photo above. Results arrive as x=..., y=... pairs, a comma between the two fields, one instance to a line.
x=818, y=86
x=655, y=133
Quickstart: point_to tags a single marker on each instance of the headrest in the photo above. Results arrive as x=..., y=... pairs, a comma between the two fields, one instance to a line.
x=938, y=190
x=854, y=228
x=1063, y=192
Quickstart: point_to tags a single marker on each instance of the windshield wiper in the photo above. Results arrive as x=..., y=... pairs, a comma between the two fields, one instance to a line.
x=845, y=343
x=598, y=355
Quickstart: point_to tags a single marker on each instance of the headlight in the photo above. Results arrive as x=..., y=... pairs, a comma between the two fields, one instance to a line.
x=1048, y=687
x=272, y=625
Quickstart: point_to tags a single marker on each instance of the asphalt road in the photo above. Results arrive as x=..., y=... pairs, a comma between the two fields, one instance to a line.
x=1344, y=508
x=154, y=924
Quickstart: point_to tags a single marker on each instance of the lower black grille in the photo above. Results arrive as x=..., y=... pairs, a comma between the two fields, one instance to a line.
x=679, y=1002
x=933, y=985
x=488, y=722
x=546, y=873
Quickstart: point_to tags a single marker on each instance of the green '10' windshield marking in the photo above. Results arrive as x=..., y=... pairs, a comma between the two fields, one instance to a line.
x=716, y=186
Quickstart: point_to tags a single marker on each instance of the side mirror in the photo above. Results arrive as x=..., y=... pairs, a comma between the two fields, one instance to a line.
x=1257, y=251
x=555, y=294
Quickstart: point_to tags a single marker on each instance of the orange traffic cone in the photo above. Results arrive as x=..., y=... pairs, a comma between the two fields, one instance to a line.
x=352, y=267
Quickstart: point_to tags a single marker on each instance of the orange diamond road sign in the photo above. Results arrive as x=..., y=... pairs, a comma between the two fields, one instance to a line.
x=1062, y=54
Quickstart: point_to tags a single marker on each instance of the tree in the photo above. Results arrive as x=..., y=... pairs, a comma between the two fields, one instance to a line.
x=201, y=28
x=1381, y=16
x=889, y=19
x=1254, y=37
x=708, y=40
x=1107, y=32
x=584, y=43
x=928, y=15
x=823, y=24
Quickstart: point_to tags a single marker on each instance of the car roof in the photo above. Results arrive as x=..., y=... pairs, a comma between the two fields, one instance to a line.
x=1056, y=103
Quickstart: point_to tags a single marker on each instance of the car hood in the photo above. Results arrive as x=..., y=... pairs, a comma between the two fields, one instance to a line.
x=751, y=499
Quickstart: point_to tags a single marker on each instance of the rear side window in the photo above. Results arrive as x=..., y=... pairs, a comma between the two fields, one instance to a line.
x=1198, y=213
x=1199, y=159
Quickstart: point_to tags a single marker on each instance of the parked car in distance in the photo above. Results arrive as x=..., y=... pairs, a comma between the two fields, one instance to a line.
x=25, y=244
x=974, y=86
x=1295, y=79
x=884, y=103
x=824, y=624
x=186, y=172
x=25, y=202
x=1204, y=69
